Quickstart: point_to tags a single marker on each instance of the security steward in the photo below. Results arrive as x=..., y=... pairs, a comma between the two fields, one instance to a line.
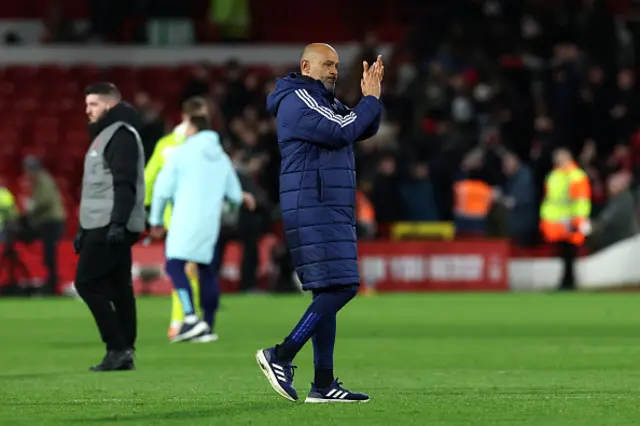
x=112, y=216
x=473, y=198
x=565, y=210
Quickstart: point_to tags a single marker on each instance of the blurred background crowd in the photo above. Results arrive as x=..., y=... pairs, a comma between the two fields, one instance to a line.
x=481, y=89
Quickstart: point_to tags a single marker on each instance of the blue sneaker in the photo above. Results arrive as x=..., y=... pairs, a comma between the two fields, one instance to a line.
x=278, y=373
x=334, y=393
x=191, y=330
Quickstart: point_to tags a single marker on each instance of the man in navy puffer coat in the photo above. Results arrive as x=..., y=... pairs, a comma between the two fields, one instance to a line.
x=317, y=196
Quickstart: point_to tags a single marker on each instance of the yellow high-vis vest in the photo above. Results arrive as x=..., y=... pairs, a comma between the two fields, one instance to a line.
x=161, y=153
x=566, y=205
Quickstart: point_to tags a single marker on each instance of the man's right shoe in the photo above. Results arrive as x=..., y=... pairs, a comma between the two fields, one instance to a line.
x=278, y=373
x=116, y=361
x=334, y=393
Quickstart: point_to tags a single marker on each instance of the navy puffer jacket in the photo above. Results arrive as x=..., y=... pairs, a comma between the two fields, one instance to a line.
x=317, y=177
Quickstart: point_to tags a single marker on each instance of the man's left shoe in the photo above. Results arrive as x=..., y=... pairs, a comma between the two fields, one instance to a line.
x=278, y=373
x=116, y=361
x=334, y=393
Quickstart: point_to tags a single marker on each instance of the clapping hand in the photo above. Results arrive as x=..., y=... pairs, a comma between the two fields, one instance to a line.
x=371, y=83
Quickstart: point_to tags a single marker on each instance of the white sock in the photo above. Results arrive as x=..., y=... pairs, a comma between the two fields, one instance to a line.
x=191, y=319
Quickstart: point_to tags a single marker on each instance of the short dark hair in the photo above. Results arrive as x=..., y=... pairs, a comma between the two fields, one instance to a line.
x=103, y=88
x=200, y=122
x=196, y=105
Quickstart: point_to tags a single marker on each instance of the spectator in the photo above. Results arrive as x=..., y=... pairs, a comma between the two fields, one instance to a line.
x=595, y=168
x=8, y=209
x=473, y=197
x=519, y=198
x=418, y=198
x=504, y=76
x=152, y=123
x=618, y=220
x=366, y=225
x=624, y=112
x=385, y=197
x=250, y=223
x=46, y=215
x=237, y=95
x=198, y=83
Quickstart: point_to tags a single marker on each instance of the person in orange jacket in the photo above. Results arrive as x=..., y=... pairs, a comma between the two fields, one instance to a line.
x=565, y=210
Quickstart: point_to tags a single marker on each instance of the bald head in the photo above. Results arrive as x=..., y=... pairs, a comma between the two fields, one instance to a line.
x=320, y=62
x=315, y=49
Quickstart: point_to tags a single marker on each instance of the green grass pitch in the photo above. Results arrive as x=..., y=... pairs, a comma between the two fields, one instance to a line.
x=456, y=359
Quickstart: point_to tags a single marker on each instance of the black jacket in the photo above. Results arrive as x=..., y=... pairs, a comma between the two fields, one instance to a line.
x=121, y=156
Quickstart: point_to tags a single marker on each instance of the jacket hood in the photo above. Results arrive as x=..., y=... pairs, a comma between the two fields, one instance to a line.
x=122, y=111
x=208, y=142
x=286, y=85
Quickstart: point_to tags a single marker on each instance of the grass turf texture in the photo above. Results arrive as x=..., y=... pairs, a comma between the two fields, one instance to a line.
x=425, y=359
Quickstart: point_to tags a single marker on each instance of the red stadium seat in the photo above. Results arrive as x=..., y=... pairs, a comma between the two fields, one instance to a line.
x=85, y=74
x=7, y=89
x=64, y=167
x=26, y=105
x=53, y=73
x=20, y=73
x=46, y=122
x=42, y=113
x=121, y=75
x=63, y=89
x=9, y=139
x=156, y=75
x=48, y=141
x=35, y=91
x=13, y=123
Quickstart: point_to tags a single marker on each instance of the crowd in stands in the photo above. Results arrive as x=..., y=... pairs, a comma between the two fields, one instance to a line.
x=486, y=91
x=494, y=91
x=476, y=90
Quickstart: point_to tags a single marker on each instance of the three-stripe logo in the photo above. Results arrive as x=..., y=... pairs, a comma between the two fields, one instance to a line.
x=327, y=113
x=279, y=372
x=337, y=394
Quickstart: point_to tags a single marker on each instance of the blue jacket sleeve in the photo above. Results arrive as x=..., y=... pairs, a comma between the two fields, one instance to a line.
x=318, y=124
x=163, y=191
x=372, y=129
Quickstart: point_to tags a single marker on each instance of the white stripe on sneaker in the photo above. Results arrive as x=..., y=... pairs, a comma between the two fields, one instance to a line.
x=280, y=377
x=344, y=394
x=271, y=378
x=331, y=392
x=277, y=367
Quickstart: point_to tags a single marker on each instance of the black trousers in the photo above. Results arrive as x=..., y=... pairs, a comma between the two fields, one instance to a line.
x=103, y=280
x=248, y=235
x=50, y=234
x=568, y=253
